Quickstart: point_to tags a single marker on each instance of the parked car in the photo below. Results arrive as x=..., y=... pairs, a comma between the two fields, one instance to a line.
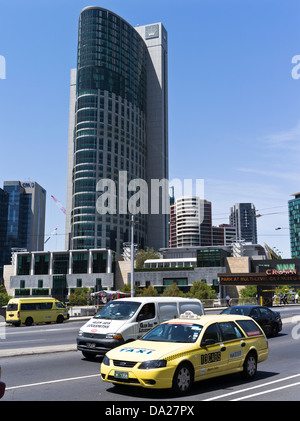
x=269, y=320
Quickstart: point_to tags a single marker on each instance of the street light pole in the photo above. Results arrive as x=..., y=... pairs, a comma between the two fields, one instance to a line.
x=132, y=256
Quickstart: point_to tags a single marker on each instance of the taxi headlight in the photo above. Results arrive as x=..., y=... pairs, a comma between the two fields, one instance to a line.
x=105, y=360
x=148, y=365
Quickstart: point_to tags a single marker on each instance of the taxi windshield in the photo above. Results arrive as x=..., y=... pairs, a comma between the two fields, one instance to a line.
x=184, y=332
x=116, y=310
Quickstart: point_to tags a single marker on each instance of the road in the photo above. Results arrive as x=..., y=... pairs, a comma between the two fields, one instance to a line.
x=67, y=376
x=24, y=339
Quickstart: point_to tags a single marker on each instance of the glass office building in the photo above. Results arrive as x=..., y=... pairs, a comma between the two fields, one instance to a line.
x=22, y=214
x=243, y=217
x=110, y=138
x=294, y=221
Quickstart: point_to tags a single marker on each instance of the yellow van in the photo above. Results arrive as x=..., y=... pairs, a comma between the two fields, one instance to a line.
x=35, y=310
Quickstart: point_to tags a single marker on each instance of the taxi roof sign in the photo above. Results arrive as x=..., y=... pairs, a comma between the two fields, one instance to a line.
x=189, y=315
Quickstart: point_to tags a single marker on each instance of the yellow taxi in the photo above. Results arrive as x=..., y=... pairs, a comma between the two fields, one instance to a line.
x=181, y=351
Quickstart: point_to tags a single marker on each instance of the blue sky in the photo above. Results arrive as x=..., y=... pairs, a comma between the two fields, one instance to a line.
x=234, y=108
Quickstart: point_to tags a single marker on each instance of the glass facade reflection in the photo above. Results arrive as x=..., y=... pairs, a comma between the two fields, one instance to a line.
x=294, y=221
x=118, y=124
x=110, y=124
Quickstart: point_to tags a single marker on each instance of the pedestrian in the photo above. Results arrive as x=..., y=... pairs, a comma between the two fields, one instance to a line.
x=228, y=300
x=296, y=297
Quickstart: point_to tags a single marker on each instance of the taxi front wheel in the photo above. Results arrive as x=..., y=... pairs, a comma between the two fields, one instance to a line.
x=183, y=379
x=250, y=366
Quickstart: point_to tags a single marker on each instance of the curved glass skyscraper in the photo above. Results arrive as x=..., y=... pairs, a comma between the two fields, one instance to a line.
x=117, y=130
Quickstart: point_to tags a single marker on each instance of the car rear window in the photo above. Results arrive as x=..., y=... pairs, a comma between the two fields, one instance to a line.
x=249, y=327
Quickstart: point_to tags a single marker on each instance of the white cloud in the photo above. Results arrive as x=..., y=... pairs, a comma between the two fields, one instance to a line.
x=287, y=139
x=291, y=176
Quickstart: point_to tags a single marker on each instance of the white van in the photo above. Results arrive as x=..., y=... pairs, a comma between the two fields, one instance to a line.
x=127, y=319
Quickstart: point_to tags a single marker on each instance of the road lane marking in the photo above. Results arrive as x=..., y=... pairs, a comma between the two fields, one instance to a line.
x=27, y=340
x=252, y=388
x=52, y=381
x=33, y=331
x=266, y=391
x=12, y=352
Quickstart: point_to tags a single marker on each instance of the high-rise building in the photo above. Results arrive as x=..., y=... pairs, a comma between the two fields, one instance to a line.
x=223, y=234
x=118, y=133
x=190, y=222
x=294, y=221
x=4, y=252
x=22, y=210
x=243, y=217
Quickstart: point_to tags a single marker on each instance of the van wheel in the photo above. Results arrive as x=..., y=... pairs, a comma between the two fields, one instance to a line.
x=29, y=321
x=59, y=319
x=89, y=355
x=183, y=379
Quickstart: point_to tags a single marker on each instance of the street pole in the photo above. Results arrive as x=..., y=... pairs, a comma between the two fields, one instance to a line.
x=132, y=256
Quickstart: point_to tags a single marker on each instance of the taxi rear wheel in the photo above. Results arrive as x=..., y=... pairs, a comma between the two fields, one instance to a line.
x=183, y=379
x=250, y=366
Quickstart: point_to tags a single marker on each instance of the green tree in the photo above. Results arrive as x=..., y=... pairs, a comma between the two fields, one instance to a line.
x=126, y=288
x=4, y=297
x=79, y=297
x=150, y=291
x=249, y=291
x=172, y=291
x=143, y=255
x=201, y=290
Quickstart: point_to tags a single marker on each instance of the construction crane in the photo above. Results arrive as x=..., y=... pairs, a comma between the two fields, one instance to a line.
x=59, y=204
x=51, y=235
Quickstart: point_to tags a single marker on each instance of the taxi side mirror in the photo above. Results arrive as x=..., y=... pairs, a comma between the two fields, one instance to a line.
x=207, y=342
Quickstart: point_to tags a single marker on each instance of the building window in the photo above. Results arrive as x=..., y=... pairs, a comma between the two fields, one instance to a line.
x=80, y=261
x=60, y=264
x=24, y=265
x=41, y=266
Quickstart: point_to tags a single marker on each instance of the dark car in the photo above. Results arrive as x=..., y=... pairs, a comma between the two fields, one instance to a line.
x=2, y=386
x=269, y=320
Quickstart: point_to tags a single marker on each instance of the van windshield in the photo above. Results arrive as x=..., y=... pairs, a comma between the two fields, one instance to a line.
x=116, y=310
